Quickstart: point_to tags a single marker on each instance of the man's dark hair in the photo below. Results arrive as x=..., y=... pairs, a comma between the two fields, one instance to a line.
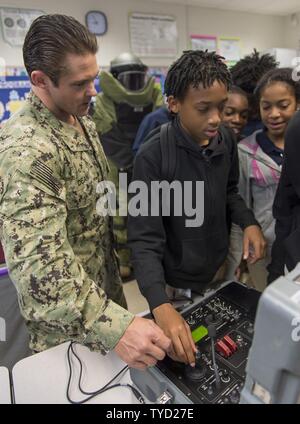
x=193, y=68
x=50, y=38
x=247, y=72
x=284, y=75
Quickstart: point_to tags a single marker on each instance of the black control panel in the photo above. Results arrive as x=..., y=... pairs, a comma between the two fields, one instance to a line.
x=230, y=312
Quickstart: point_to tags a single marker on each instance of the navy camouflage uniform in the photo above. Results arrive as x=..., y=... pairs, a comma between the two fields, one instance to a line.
x=58, y=250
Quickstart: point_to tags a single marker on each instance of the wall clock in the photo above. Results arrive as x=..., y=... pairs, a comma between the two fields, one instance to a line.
x=96, y=22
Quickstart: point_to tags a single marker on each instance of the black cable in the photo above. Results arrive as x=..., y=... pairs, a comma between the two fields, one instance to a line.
x=103, y=389
x=80, y=374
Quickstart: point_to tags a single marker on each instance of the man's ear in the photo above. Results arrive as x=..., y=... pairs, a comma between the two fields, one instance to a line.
x=174, y=104
x=39, y=79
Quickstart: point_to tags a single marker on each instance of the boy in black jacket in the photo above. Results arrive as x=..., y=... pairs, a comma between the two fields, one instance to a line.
x=172, y=250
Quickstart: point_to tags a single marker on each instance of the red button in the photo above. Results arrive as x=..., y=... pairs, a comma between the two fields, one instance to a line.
x=230, y=343
x=223, y=349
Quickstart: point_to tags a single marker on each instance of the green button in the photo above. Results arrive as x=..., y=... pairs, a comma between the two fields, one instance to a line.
x=199, y=333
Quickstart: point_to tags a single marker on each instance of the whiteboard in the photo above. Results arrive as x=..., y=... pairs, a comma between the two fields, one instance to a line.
x=153, y=35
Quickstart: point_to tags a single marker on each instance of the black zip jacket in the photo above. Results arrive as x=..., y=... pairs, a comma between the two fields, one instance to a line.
x=164, y=249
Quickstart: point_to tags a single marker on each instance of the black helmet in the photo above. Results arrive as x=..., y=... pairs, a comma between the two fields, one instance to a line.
x=130, y=71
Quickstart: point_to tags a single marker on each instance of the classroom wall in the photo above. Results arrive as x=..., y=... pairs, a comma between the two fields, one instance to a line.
x=117, y=38
x=260, y=31
x=292, y=31
x=254, y=30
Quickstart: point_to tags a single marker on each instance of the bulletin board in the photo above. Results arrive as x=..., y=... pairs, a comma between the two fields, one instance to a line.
x=16, y=22
x=230, y=48
x=153, y=35
x=204, y=42
x=13, y=92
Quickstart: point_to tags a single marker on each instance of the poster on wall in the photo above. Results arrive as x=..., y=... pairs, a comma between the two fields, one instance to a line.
x=13, y=93
x=229, y=47
x=16, y=22
x=153, y=35
x=204, y=42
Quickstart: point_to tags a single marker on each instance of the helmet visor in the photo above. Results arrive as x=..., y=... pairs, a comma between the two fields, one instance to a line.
x=133, y=80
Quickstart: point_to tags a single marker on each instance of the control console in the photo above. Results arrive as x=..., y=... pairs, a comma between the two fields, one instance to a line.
x=222, y=326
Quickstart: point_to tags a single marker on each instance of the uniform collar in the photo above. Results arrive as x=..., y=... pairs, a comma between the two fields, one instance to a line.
x=46, y=119
x=68, y=134
x=267, y=144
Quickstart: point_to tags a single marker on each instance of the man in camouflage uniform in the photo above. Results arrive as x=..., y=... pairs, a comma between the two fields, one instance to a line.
x=58, y=249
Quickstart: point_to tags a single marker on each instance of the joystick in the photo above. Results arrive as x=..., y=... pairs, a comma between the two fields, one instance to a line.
x=198, y=372
x=212, y=319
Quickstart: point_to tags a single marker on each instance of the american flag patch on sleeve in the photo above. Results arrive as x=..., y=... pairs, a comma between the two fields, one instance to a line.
x=41, y=172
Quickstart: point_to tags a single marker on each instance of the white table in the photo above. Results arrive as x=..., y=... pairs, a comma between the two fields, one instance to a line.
x=43, y=378
x=5, y=395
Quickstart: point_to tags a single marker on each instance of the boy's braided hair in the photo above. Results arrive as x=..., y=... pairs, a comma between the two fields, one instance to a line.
x=193, y=68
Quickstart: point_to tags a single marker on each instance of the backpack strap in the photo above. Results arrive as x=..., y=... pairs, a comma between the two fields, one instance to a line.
x=168, y=152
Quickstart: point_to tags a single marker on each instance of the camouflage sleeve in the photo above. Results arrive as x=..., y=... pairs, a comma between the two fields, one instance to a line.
x=57, y=298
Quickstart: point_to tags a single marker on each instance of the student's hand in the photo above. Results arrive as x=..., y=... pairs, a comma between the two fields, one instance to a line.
x=254, y=244
x=183, y=348
x=142, y=344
